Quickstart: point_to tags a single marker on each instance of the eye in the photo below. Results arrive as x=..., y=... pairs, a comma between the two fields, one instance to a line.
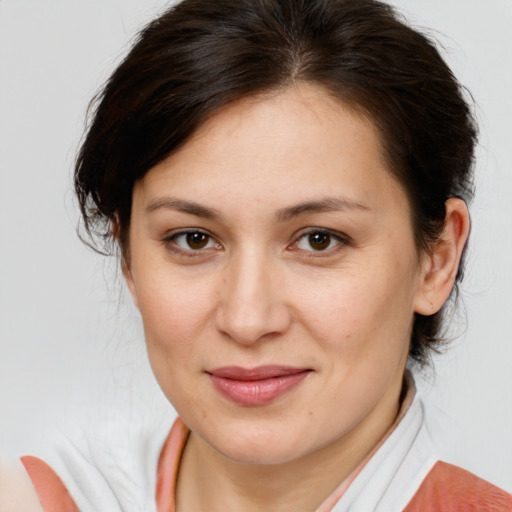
x=318, y=241
x=192, y=241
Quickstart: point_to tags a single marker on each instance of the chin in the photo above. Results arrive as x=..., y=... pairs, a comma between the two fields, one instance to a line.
x=259, y=446
x=259, y=455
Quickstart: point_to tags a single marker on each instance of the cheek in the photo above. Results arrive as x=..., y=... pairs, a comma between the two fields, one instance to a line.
x=361, y=313
x=174, y=312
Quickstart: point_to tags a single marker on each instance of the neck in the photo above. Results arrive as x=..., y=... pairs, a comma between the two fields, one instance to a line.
x=208, y=481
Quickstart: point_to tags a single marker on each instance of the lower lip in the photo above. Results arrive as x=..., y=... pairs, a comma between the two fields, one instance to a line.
x=257, y=392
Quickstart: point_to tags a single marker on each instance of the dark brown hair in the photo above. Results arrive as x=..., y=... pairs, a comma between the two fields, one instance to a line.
x=201, y=55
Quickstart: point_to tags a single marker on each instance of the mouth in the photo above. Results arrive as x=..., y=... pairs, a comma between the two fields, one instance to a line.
x=256, y=386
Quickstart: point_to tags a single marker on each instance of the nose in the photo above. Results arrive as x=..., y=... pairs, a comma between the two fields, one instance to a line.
x=252, y=306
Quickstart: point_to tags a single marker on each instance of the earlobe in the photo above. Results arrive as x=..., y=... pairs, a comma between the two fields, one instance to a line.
x=128, y=277
x=441, y=265
x=125, y=265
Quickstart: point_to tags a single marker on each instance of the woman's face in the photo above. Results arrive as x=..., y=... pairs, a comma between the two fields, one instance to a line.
x=273, y=261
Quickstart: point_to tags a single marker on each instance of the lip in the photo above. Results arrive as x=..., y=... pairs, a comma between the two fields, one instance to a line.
x=256, y=386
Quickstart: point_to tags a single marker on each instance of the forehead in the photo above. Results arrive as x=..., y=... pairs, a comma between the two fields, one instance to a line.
x=300, y=142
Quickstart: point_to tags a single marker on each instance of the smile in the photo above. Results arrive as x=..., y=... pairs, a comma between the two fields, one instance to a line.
x=256, y=386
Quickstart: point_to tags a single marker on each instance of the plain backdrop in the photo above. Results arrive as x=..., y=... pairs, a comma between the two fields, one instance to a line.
x=69, y=337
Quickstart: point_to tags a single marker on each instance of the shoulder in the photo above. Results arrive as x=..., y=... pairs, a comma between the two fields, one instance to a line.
x=107, y=462
x=448, y=488
x=52, y=493
x=17, y=494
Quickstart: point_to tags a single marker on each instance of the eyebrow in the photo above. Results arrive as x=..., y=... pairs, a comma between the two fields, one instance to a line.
x=328, y=204
x=183, y=206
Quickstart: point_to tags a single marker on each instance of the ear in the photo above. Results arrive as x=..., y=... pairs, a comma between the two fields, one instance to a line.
x=125, y=263
x=128, y=277
x=441, y=264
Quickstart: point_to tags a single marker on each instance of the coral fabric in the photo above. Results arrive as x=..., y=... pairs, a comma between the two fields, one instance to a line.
x=168, y=465
x=52, y=493
x=174, y=445
x=54, y=496
x=448, y=488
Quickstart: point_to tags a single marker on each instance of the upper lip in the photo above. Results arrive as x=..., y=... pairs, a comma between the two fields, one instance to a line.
x=258, y=373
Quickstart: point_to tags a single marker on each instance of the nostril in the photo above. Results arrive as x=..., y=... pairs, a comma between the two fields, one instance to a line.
x=250, y=308
x=249, y=326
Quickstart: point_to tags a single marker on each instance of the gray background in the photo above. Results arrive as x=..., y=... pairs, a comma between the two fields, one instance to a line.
x=69, y=338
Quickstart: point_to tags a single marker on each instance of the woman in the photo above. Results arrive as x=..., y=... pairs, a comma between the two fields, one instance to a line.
x=286, y=182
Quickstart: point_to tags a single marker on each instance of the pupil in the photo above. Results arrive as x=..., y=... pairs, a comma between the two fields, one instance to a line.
x=197, y=240
x=319, y=241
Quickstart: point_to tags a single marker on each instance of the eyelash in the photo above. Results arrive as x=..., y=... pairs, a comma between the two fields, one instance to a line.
x=340, y=239
x=170, y=242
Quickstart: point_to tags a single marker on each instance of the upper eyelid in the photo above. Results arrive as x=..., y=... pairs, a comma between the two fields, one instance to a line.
x=298, y=235
x=308, y=231
x=342, y=242
x=172, y=235
x=185, y=231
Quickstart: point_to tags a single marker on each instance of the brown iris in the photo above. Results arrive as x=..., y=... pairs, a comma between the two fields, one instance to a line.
x=197, y=240
x=319, y=241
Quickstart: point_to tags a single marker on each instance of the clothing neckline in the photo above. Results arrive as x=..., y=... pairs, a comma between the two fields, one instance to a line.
x=174, y=446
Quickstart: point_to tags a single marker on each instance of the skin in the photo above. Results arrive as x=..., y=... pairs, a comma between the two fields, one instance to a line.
x=263, y=175
x=17, y=493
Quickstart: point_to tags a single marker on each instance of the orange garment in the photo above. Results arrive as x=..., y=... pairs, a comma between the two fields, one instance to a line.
x=446, y=488
x=54, y=496
x=52, y=493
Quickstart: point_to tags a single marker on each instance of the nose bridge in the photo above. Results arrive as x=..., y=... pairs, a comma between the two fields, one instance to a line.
x=252, y=305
